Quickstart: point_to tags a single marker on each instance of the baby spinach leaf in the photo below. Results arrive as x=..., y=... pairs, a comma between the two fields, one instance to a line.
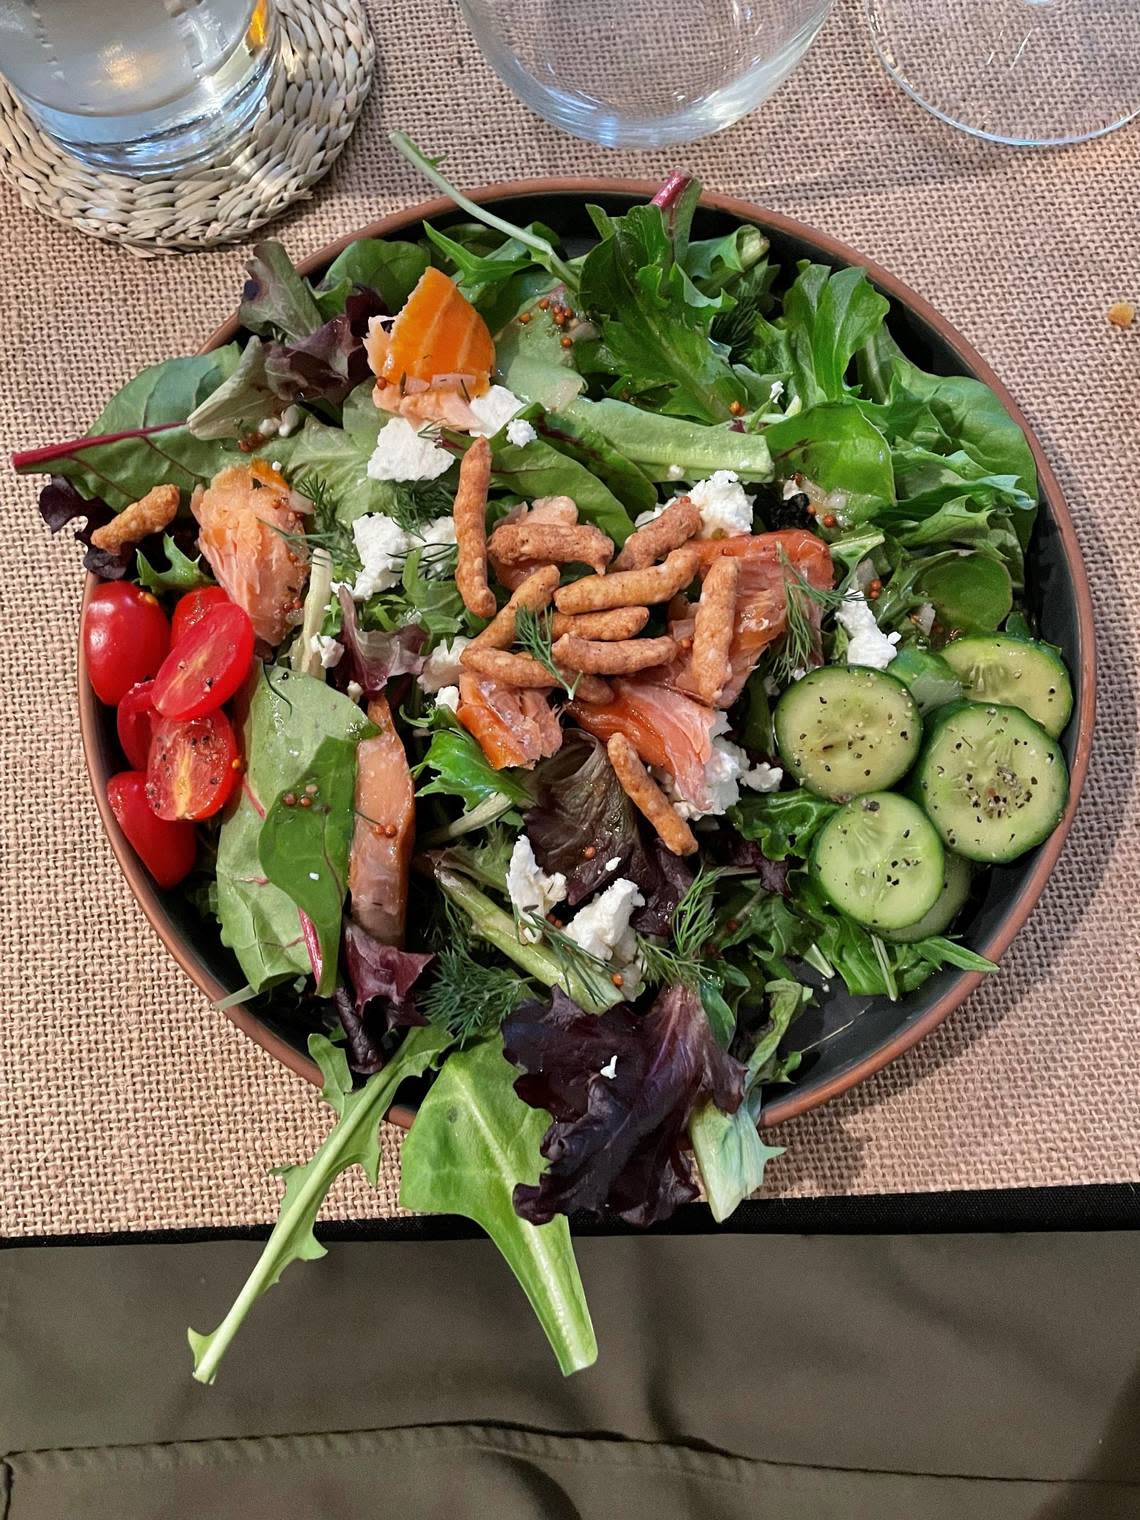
x=474, y=1140
x=532, y=362
x=276, y=301
x=573, y=434
x=181, y=574
x=286, y=717
x=353, y=1141
x=972, y=592
x=539, y=469
x=386, y=265
x=304, y=849
x=834, y=445
x=662, y=446
x=655, y=322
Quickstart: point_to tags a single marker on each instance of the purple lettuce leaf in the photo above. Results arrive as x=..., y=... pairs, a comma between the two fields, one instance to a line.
x=372, y=658
x=379, y=997
x=61, y=504
x=583, y=821
x=731, y=849
x=328, y=363
x=620, y=1089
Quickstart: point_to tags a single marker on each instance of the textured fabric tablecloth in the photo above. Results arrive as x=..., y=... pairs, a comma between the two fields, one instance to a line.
x=126, y=1102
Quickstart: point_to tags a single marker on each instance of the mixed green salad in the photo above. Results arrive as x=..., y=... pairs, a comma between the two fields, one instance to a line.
x=547, y=675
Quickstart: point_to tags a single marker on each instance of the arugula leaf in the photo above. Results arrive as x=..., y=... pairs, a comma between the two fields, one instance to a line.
x=478, y=272
x=304, y=850
x=123, y=470
x=181, y=574
x=781, y=823
x=389, y=267
x=353, y=1141
x=286, y=718
x=276, y=300
x=539, y=469
x=835, y=446
x=661, y=446
x=473, y=1141
x=655, y=323
x=716, y=264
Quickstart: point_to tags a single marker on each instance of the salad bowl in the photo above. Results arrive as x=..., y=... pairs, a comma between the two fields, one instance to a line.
x=844, y=1038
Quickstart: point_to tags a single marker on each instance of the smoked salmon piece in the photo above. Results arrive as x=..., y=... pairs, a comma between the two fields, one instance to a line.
x=761, y=604
x=513, y=725
x=380, y=856
x=436, y=354
x=242, y=515
x=667, y=729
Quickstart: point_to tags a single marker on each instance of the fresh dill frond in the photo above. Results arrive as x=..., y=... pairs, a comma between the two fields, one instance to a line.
x=799, y=649
x=417, y=503
x=469, y=998
x=576, y=965
x=534, y=631
x=326, y=530
x=691, y=927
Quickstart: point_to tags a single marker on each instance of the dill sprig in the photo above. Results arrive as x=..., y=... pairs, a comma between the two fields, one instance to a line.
x=417, y=503
x=469, y=998
x=799, y=649
x=326, y=529
x=691, y=927
x=577, y=966
x=534, y=631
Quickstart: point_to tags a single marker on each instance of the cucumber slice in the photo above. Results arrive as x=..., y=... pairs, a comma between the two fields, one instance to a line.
x=846, y=729
x=1014, y=673
x=993, y=782
x=930, y=680
x=880, y=861
x=957, y=875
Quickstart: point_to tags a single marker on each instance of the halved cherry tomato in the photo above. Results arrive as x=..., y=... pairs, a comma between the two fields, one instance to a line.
x=126, y=637
x=207, y=665
x=166, y=849
x=192, y=608
x=193, y=766
x=135, y=721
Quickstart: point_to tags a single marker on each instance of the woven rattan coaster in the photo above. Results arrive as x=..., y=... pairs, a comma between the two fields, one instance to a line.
x=319, y=86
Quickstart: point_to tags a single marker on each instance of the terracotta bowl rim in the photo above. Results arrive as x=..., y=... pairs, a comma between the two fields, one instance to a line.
x=1084, y=656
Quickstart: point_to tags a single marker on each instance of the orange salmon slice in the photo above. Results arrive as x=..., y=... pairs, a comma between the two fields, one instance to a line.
x=511, y=726
x=380, y=857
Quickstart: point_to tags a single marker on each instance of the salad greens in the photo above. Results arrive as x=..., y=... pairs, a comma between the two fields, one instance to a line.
x=432, y=871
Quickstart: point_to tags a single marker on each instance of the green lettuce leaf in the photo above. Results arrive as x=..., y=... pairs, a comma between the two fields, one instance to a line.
x=459, y=768
x=834, y=445
x=472, y=1142
x=276, y=300
x=385, y=265
x=827, y=318
x=781, y=823
x=353, y=1141
x=668, y=448
x=539, y=469
x=181, y=574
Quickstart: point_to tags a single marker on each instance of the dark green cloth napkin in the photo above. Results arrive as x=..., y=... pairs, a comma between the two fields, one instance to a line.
x=797, y=1378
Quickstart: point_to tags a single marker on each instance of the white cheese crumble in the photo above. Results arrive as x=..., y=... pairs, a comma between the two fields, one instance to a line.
x=328, y=648
x=792, y=488
x=530, y=889
x=436, y=539
x=603, y=924
x=401, y=453
x=868, y=644
x=776, y=391
x=442, y=667
x=612, y=865
x=520, y=433
x=314, y=876
x=675, y=472
x=354, y=691
x=726, y=771
x=647, y=517
x=381, y=544
x=724, y=507
x=609, y=1070
x=493, y=409
x=291, y=419
x=448, y=696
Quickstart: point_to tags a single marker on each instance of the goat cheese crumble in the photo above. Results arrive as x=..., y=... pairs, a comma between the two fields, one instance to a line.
x=602, y=929
x=402, y=453
x=609, y=1070
x=724, y=507
x=520, y=433
x=726, y=770
x=448, y=696
x=328, y=648
x=868, y=645
x=530, y=889
x=436, y=539
x=493, y=409
x=442, y=667
x=381, y=544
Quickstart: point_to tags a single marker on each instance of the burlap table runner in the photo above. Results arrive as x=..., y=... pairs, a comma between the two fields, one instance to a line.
x=127, y=1103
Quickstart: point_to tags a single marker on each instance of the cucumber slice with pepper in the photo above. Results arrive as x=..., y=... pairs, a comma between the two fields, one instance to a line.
x=846, y=729
x=1014, y=673
x=957, y=874
x=880, y=861
x=992, y=781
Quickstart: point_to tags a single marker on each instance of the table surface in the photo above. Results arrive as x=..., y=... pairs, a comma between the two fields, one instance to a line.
x=126, y=1102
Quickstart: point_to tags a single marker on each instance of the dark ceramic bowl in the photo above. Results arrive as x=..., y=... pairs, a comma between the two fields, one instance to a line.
x=849, y=1037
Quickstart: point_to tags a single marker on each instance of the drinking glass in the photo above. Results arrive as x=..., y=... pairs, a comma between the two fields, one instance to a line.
x=139, y=86
x=1032, y=73
x=644, y=73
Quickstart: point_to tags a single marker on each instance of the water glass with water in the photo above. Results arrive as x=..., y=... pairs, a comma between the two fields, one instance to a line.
x=644, y=73
x=140, y=86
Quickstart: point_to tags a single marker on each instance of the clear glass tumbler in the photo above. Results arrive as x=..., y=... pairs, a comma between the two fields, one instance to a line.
x=139, y=86
x=644, y=73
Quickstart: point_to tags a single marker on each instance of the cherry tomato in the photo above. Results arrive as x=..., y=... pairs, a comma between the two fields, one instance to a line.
x=135, y=720
x=192, y=608
x=166, y=849
x=207, y=665
x=126, y=638
x=193, y=766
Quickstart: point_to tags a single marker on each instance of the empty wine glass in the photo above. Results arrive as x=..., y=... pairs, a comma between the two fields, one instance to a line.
x=1033, y=73
x=644, y=73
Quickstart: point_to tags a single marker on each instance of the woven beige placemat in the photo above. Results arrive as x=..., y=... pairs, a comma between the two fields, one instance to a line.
x=126, y=1102
x=319, y=85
